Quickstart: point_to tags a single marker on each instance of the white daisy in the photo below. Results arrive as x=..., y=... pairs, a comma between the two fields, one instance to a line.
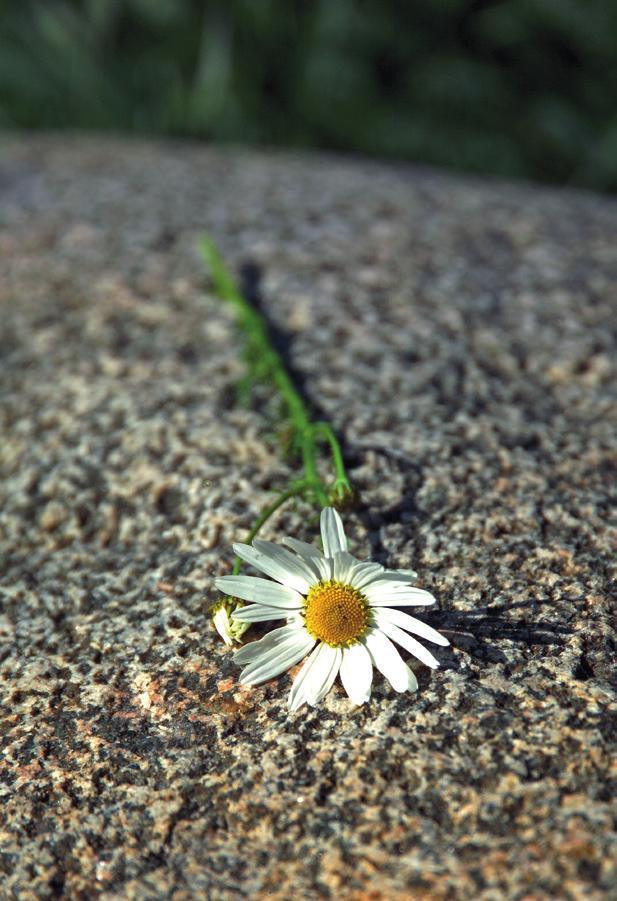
x=338, y=610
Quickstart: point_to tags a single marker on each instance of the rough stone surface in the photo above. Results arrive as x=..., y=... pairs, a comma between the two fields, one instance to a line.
x=460, y=335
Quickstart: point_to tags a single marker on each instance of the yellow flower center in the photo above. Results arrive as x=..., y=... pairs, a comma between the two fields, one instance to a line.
x=337, y=614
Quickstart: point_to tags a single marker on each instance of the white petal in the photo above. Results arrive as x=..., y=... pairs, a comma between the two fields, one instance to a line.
x=410, y=644
x=377, y=573
x=336, y=657
x=323, y=565
x=294, y=563
x=258, y=613
x=332, y=532
x=365, y=574
x=306, y=551
x=357, y=673
x=412, y=682
x=301, y=682
x=316, y=672
x=277, y=660
x=402, y=576
x=254, y=649
x=391, y=594
x=279, y=563
x=343, y=566
x=261, y=591
x=409, y=623
x=388, y=660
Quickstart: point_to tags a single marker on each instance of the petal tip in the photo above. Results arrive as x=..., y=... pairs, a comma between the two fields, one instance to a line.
x=358, y=702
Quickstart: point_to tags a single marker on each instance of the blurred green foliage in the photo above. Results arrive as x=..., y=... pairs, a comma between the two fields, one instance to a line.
x=518, y=87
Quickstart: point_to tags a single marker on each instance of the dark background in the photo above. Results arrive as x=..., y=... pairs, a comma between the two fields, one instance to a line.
x=522, y=88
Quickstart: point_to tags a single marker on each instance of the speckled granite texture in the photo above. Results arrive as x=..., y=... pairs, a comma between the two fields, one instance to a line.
x=460, y=335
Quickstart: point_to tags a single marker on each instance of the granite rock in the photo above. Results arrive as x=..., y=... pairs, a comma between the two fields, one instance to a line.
x=460, y=335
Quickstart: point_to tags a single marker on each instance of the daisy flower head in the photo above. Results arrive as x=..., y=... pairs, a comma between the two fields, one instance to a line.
x=339, y=613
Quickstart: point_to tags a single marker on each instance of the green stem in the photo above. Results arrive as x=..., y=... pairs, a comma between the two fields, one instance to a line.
x=266, y=364
x=255, y=326
x=342, y=484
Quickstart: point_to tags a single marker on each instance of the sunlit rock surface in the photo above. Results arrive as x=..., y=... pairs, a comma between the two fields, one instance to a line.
x=460, y=335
